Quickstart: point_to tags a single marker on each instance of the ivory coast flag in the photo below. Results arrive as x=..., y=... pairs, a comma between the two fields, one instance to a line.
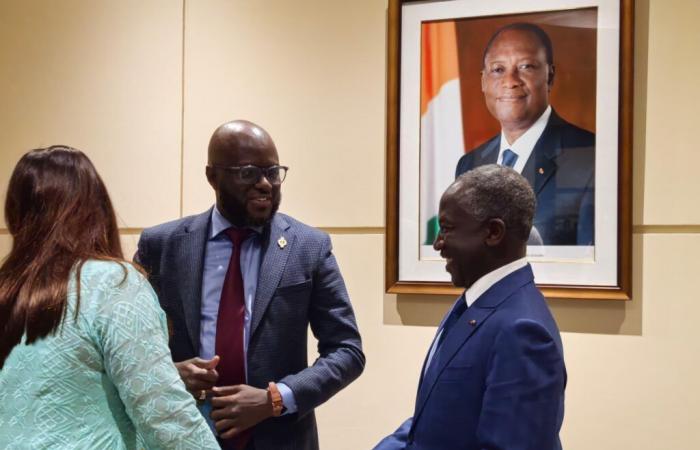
x=441, y=139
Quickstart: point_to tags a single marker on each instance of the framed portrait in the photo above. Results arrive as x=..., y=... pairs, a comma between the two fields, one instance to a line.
x=544, y=87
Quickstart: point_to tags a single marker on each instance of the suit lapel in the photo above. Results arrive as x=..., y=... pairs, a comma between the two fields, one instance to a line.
x=272, y=267
x=191, y=245
x=541, y=165
x=469, y=324
x=442, y=324
x=454, y=340
x=489, y=155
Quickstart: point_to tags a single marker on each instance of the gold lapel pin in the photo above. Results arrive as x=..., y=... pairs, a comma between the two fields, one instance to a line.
x=472, y=322
x=282, y=242
x=541, y=171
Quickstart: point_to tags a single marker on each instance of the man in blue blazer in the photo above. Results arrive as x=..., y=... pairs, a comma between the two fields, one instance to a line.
x=494, y=376
x=556, y=157
x=241, y=284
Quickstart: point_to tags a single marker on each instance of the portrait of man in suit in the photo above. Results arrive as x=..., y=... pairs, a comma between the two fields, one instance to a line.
x=555, y=156
x=494, y=376
x=241, y=284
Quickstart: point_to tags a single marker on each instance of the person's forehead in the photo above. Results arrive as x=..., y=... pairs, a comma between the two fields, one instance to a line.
x=246, y=151
x=515, y=39
x=451, y=205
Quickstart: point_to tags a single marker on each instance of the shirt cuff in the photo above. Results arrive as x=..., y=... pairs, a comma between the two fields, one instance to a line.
x=290, y=403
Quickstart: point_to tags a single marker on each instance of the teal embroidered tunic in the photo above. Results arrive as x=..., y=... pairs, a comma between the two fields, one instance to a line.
x=104, y=380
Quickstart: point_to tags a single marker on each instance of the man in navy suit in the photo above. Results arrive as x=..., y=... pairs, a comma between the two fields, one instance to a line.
x=241, y=284
x=556, y=157
x=494, y=376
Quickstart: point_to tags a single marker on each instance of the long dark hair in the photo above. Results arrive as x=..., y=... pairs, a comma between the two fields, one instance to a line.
x=59, y=215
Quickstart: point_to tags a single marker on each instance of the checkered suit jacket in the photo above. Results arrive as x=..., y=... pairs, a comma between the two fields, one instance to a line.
x=299, y=285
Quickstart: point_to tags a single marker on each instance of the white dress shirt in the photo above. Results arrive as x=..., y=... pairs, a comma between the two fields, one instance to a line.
x=476, y=290
x=524, y=145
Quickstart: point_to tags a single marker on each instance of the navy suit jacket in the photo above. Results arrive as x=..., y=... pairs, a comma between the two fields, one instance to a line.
x=299, y=285
x=561, y=170
x=497, y=380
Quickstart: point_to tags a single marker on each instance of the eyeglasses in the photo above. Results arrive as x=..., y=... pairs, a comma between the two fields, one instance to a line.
x=251, y=174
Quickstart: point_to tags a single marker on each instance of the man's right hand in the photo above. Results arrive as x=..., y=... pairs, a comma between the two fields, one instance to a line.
x=198, y=374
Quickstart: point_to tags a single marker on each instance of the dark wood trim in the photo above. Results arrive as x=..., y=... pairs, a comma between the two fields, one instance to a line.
x=626, y=119
x=392, y=144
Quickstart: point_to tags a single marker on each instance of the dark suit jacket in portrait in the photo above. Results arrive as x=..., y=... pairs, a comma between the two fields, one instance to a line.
x=299, y=285
x=561, y=170
x=497, y=379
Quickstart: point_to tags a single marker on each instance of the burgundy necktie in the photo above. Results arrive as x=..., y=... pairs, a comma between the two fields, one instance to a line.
x=229, y=329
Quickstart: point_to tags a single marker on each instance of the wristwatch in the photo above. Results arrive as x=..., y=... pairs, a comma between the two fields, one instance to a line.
x=275, y=399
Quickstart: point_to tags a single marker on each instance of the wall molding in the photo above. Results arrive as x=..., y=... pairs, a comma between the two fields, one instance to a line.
x=329, y=230
x=182, y=111
x=353, y=230
x=666, y=229
x=636, y=229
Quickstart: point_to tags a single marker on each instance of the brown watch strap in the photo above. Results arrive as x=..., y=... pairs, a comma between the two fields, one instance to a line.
x=275, y=399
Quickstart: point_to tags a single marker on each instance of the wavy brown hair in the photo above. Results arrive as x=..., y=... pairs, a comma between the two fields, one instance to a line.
x=59, y=215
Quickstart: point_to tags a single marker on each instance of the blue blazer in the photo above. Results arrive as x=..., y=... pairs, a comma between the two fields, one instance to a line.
x=561, y=170
x=299, y=285
x=497, y=380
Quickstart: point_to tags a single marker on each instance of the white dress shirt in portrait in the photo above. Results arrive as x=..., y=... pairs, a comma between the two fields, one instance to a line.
x=524, y=145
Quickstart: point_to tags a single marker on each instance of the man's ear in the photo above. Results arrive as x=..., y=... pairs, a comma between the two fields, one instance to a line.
x=550, y=75
x=495, y=232
x=483, y=80
x=211, y=176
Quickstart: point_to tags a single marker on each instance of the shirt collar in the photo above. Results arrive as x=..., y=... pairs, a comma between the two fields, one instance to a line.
x=219, y=224
x=484, y=283
x=524, y=145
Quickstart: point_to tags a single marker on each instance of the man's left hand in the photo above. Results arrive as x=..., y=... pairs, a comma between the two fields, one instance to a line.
x=237, y=408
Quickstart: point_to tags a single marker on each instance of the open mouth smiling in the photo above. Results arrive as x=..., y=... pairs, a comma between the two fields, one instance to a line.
x=261, y=201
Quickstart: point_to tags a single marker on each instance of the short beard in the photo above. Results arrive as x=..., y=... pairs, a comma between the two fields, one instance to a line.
x=249, y=221
x=237, y=214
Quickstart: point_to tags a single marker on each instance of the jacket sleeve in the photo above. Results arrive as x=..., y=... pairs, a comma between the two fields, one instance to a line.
x=524, y=396
x=398, y=439
x=141, y=255
x=145, y=258
x=333, y=323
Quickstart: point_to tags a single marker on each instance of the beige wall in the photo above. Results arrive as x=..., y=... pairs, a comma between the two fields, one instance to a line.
x=101, y=76
x=140, y=90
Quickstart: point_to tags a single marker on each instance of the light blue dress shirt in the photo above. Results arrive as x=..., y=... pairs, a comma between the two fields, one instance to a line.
x=216, y=258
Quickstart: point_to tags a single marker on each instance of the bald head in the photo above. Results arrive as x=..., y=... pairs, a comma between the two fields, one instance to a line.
x=517, y=77
x=235, y=137
x=236, y=150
